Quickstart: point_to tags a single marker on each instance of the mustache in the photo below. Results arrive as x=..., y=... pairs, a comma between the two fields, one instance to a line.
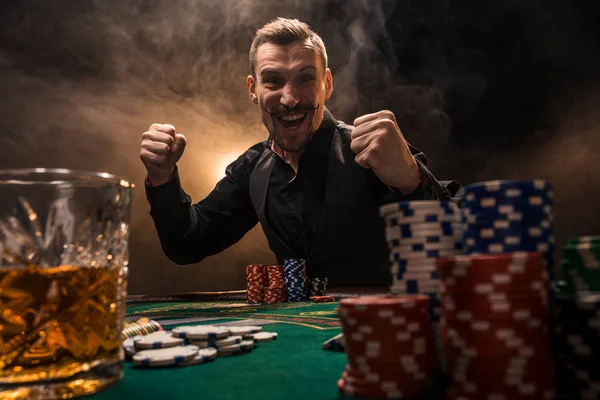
x=307, y=107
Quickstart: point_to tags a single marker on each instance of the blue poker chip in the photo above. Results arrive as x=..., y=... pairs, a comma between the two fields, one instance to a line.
x=430, y=254
x=507, y=187
x=413, y=286
x=491, y=233
x=505, y=224
x=399, y=219
x=403, y=232
x=418, y=247
x=529, y=244
x=296, y=281
x=418, y=263
x=528, y=215
x=410, y=208
x=507, y=208
x=427, y=239
x=417, y=275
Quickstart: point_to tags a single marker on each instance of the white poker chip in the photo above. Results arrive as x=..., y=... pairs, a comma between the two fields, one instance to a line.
x=156, y=340
x=244, y=330
x=247, y=345
x=202, y=344
x=203, y=356
x=264, y=336
x=226, y=342
x=129, y=346
x=165, y=357
x=201, y=332
x=230, y=350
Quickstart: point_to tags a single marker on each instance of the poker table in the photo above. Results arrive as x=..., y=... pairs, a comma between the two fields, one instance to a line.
x=292, y=367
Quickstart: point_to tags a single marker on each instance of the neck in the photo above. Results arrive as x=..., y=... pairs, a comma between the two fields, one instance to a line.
x=292, y=159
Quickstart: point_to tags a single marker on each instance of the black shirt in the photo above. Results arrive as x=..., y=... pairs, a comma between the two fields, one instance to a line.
x=294, y=205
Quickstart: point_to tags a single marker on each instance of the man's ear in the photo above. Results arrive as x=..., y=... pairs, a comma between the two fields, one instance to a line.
x=328, y=83
x=251, y=89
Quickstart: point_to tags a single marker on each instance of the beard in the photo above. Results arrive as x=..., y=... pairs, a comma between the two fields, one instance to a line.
x=296, y=147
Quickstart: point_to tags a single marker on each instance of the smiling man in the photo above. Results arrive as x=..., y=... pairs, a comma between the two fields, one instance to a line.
x=315, y=185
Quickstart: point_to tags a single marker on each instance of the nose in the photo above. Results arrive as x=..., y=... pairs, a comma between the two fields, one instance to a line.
x=289, y=96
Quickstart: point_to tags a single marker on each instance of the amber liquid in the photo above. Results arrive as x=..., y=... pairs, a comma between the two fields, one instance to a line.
x=60, y=330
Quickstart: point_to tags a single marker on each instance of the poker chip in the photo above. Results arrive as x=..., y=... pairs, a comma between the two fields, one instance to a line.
x=165, y=357
x=417, y=233
x=295, y=279
x=336, y=343
x=129, y=347
x=246, y=345
x=322, y=299
x=230, y=350
x=201, y=332
x=244, y=330
x=509, y=216
x=577, y=319
x=275, y=292
x=580, y=265
x=201, y=344
x=428, y=207
x=317, y=287
x=494, y=323
x=256, y=282
x=264, y=336
x=203, y=356
x=140, y=326
x=390, y=346
x=231, y=340
x=156, y=340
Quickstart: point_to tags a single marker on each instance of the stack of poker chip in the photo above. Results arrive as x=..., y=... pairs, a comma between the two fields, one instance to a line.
x=577, y=322
x=141, y=326
x=577, y=328
x=495, y=326
x=317, y=287
x=580, y=264
x=509, y=216
x=390, y=347
x=275, y=291
x=256, y=282
x=295, y=279
x=418, y=232
x=191, y=345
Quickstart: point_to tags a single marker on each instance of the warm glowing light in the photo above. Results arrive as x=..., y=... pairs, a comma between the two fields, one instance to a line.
x=223, y=162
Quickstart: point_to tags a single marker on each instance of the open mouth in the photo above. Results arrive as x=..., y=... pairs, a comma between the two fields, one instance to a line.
x=292, y=121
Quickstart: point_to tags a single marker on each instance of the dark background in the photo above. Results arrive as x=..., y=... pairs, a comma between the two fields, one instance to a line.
x=488, y=89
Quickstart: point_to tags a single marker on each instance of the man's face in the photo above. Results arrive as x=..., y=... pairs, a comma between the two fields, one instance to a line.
x=290, y=89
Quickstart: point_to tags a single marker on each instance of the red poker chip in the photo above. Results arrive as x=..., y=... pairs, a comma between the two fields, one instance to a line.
x=389, y=344
x=494, y=324
x=322, y=299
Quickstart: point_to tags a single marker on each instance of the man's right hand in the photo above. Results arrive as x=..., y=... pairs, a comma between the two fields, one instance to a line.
x=161, y=148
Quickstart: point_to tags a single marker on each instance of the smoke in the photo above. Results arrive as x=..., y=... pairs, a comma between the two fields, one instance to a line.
x=473, y=84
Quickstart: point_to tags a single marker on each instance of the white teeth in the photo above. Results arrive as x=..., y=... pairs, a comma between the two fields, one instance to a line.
x=293, y=117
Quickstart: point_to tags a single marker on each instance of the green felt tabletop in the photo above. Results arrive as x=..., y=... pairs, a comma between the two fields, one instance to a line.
x=292, y=367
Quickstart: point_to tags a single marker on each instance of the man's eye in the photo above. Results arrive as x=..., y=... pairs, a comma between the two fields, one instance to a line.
x=306, y=78
x=270, y=81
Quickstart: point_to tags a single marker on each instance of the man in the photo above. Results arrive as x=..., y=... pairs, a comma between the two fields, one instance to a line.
x=315, y=185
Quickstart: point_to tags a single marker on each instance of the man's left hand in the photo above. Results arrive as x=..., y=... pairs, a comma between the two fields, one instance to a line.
x=380, y=145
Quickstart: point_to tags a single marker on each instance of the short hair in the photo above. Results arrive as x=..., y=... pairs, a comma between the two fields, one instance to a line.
x=283, y=31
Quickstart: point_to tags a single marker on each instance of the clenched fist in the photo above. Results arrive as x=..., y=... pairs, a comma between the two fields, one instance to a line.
x=379, y=145
x=161, y=148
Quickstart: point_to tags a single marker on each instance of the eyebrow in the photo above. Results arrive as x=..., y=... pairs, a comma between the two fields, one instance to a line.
x=272, y=71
